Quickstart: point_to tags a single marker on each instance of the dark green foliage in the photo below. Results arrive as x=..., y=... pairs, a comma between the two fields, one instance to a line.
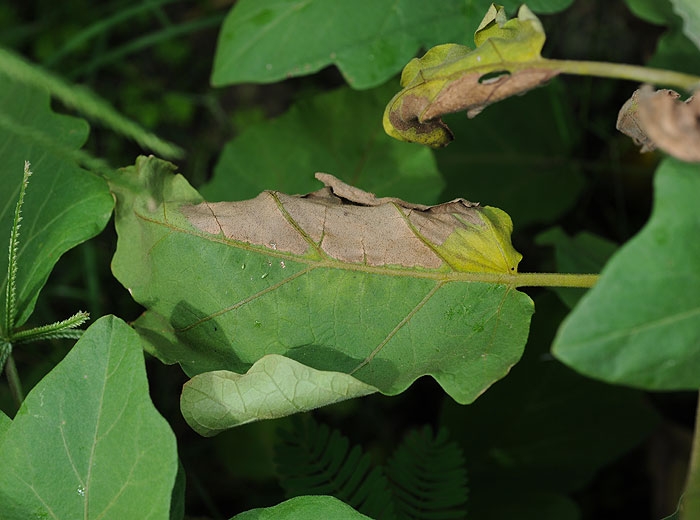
x=426, y=474
x=313, y=460
x=428, y=477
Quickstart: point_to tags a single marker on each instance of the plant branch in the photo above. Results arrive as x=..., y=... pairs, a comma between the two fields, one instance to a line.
x=555, y=280
x=637, y=73
x=60, y=329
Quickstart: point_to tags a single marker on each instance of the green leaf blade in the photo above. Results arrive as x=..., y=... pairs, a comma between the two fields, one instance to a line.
x=91, y=422
x=64, y=205
x=304, y=508
x=649, y=292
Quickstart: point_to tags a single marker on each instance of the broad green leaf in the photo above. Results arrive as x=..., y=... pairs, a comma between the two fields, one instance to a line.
x=304, y=508
x=64, y=206
x=5, y=422
x=689, y=11
x=583, y=253
x=517, y=156
x=336, y=132
x=639, y=325
x=275, y=386
x=270, y=40
x=658, y=12
x=87, y=442
x=552, y=432
x=367, y=303
x=452, y=78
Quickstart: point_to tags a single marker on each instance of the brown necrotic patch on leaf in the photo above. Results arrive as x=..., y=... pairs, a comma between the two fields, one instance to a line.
x=346, y=224
x=659, y=119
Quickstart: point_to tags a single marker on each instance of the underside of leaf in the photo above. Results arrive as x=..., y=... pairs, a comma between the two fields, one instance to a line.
x=451, y=78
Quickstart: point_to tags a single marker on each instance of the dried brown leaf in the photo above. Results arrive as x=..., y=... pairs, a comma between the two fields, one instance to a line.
x=658, y=118
x=343, y=223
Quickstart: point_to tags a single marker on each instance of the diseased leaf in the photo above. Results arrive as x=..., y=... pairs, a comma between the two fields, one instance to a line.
x=87, y=442
x=452, y=78
x=337, y=131
x=275, y=386
x=227, y=283
x=341, y=222
x=304, y=508
x=648, y=293
x=658, y=118
x=64, y=206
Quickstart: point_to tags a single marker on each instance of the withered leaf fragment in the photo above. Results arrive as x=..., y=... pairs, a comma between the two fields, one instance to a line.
x=341, y=223
x=452, y=78
x=659, y=119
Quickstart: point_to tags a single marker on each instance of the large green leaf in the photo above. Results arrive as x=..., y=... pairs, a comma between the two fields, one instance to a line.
x=64, y=206
x=336, y=132
x=640, y=325
x=87, y=441
x=216, y=302
x=304, y=508
x=369, y=41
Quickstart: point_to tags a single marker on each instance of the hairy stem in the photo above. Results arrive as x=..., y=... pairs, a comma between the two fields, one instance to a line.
x=13, y=381
x=623, y=71
x=11, y=288
x=555, y=280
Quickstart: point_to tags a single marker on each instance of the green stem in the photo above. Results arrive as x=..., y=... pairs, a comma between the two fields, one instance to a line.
x=13, y=381
x=623, y=71
x=554, y=280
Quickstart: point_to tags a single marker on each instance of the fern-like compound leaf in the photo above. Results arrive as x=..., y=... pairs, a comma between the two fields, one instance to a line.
x=314, y=460
x=428, y=477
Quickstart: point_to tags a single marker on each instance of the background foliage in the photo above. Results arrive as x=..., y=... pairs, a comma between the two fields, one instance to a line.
x=545, y=442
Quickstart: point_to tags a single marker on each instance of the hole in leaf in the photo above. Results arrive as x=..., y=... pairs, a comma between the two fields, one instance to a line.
x=493, y=77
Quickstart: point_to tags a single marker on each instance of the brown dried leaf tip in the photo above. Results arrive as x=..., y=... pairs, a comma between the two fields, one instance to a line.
x=343, y=223
x=659, y=119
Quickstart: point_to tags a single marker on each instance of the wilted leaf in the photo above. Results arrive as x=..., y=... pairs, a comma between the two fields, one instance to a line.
x=87, y=442
x=322, y=280
x=658, y=118
x=451, y=78
x=341, y=222
x=639, y=324
x=275, y=386
x=304, y=508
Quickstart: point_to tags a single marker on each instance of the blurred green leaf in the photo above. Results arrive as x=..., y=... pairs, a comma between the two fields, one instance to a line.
x=639, y=325
x=275, y=386
x=87, y=441
x=659, y=12
x=228, y=303
x=517, y=155
x=304, y=508
x=689, y=11
x=339, y=132
x=583, y=253
x=270, y=40
x=64, y=206
x=5, y=423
